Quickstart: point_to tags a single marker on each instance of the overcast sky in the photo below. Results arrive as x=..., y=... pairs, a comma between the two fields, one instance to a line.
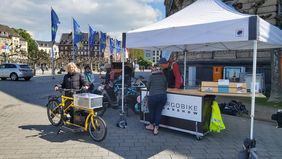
x=111, y=16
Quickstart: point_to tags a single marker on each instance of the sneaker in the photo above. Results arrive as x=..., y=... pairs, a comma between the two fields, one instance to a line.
x=150, y=127
x=156, y=131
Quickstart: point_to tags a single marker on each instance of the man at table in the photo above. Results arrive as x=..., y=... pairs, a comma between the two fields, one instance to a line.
x=172, y=73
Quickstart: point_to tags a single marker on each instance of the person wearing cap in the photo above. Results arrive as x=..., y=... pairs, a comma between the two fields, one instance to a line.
x=157, y=86
x=172, y=73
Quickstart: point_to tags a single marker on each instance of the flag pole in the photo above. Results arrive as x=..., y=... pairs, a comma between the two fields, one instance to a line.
x=89, y=48
x=99, y=51
x=53, y=62
x=73, y=43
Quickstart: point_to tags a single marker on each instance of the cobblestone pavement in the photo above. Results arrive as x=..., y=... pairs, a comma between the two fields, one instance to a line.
x=26, y=133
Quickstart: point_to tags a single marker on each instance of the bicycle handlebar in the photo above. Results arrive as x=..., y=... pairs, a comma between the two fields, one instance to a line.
x=70, y=90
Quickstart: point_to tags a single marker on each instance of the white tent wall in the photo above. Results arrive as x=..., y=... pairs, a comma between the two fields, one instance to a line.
x=209, y=25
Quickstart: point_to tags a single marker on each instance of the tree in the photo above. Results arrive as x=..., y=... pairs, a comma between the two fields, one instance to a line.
x=32, y=46
x=33, y=54
x=144, y=62
x=276, y=88
x=136, y=53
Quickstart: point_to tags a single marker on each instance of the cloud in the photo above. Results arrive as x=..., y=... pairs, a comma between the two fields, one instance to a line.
x=113, y=16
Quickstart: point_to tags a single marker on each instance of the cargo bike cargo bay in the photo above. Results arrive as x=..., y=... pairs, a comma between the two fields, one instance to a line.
x=205, y=26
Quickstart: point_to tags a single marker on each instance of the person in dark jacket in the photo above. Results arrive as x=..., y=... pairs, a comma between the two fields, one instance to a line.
x=157, y=86
x=72, y=80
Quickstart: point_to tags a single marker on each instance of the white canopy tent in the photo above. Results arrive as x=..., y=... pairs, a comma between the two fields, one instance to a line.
x=209, y=25
x=206, y=25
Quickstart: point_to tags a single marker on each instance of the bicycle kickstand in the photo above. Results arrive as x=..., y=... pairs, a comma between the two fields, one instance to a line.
x=60, y=129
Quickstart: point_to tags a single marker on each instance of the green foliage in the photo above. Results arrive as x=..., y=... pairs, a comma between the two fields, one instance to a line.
x=264, y=101
x=144, y=62
x=136, y=53
x=32, y=46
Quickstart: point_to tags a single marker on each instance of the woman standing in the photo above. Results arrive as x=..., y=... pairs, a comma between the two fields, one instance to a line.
x=72, y=80
x=157, y=86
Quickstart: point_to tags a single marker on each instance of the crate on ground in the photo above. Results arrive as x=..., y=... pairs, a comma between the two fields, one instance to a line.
x=88, y=100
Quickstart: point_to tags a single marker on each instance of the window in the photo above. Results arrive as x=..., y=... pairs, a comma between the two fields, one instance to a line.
x=10, y=66
x=147, y=54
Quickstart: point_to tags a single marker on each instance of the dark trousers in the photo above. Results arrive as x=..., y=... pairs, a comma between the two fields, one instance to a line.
x=156, y=104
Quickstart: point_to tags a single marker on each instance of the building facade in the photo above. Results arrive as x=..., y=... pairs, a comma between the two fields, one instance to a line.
x=152, y=55
x=204, y=62
x=46, y=46
x=95, y=55
x=11, y=45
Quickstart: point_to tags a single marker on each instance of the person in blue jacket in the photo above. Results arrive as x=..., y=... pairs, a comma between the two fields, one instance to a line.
x=89, y=77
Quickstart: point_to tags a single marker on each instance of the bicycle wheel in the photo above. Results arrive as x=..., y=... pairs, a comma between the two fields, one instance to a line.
x=97, y=128
x=54, y=112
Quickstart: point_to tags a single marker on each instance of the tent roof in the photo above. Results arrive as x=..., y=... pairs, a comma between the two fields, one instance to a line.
x=206, y=25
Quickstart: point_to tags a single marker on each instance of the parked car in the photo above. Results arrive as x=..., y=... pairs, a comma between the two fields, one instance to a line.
x=15, y=71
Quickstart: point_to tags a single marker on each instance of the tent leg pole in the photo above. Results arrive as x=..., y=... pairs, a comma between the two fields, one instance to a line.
x=122, y=123
x=253, y=88
x=249, y=146
x=184, y=80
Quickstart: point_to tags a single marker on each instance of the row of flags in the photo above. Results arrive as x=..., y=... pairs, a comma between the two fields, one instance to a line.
x=78, y=36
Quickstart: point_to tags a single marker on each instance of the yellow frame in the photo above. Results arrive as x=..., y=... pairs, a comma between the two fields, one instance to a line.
x=91, y=112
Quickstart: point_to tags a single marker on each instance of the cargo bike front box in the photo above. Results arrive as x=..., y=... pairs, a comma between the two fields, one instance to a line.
x=88, y=100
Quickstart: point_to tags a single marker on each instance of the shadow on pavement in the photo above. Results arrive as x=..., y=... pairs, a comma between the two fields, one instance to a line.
x=49, y=133
x=132, y=142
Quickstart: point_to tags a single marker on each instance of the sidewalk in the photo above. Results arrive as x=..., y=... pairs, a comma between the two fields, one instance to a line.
x=46, y=72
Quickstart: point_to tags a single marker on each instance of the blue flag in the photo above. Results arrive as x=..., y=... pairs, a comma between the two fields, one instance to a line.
x=77, y=36
x=112, y=45
x=54, y=24
x=91, y=39
x=103, y=38
x=118, y=46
